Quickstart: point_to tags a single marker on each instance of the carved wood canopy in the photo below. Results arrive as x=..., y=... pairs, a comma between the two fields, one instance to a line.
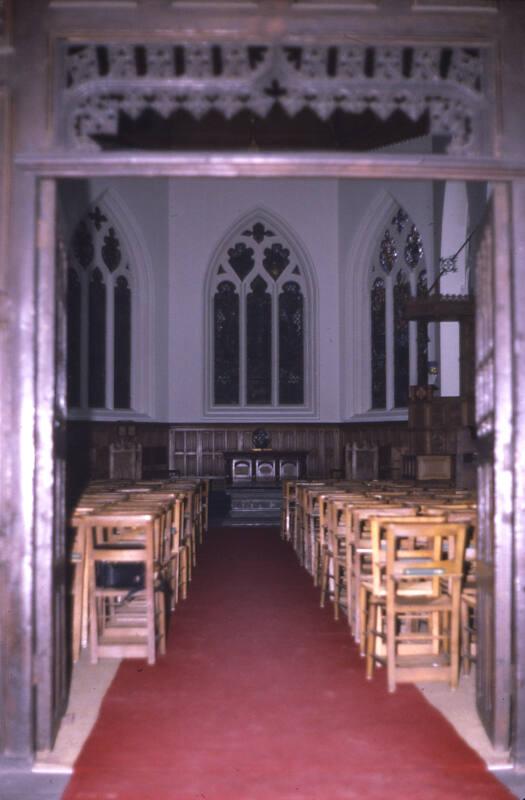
x=102, y=84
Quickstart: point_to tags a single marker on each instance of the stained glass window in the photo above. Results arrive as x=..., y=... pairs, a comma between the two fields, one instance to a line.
x=259, y=344
x=122, y=344
x=259, y=303
x=74, y=305
x=378, y=335
x=226, y=344
x=97, y=341
x=399, y=260
x=291, y=346
x=99, y=267
x=401, y=340
x=422, y=335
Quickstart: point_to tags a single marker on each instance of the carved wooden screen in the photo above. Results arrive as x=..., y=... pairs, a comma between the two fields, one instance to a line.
x=493, y=420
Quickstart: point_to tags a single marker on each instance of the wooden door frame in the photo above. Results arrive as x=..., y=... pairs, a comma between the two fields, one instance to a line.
x=269, y=166
x=27, y=512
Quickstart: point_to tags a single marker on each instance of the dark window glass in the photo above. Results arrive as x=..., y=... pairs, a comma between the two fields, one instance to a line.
x=122, y=345
x=259, y=344
x=422, y=335
x=226, y=344
x=378, y=310
x=291, y=347
x=97, y=341
x=74, y=310
x=401, y=342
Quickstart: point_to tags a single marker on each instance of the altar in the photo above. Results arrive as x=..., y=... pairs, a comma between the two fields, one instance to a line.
x=264, y=464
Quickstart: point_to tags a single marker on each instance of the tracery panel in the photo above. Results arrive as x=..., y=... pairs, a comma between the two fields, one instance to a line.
x=226, y=344
x=401, y=341
x=291, y=344
x=259, y=344
x=97, y=341
x=378, y=334
x=122, y=344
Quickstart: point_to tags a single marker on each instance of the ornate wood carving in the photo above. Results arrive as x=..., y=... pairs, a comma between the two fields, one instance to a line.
x=100, y=82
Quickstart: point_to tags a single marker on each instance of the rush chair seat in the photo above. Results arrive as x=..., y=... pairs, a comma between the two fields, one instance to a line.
x=125, y=623
x=424, y=571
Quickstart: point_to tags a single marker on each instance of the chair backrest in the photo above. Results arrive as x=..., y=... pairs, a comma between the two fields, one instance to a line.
x=421, y=551
x=378, y=531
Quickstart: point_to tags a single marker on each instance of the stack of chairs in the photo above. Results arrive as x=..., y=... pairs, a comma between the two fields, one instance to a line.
x=133, y=551
x=398, y=559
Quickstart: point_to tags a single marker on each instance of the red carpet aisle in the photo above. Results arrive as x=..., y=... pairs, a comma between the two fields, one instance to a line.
x=263, y=697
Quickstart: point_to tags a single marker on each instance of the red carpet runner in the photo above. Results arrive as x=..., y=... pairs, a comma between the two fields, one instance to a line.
x=262, y=696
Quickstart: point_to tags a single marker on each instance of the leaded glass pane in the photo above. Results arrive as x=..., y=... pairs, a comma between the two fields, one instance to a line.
x=74, y=311
x=401, y=341
x=378, y=333
x=226, y=345
x=422, y=335
x=122, y=345
x=259, y=344
x=291, y=345
x=97, y=341
x=241, y=259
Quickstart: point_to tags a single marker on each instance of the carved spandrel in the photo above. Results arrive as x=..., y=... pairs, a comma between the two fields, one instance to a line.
x=103, y=81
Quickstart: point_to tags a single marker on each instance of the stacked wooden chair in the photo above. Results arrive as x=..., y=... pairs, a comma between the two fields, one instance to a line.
x=133, y=552
x=398, y=559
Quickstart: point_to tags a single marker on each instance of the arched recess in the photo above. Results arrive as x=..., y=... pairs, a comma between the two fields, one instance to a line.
x=124, y=268
x=356, y=312
x=278, y=262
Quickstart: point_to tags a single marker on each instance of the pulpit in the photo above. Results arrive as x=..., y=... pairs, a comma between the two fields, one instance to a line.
x=264, y=465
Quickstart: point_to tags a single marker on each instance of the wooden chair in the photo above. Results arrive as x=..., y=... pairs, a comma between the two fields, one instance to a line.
x=334, y=539
x=424, y=570
x=124, y=624
x=360, y=554
x=373, y=590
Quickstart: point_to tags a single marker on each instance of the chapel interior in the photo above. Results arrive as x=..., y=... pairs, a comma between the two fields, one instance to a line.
x=167, y=377
x=261, y=330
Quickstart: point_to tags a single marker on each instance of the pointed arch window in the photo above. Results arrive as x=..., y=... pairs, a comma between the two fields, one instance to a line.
x=260, y=300
x=398, y=348
x=99, y=319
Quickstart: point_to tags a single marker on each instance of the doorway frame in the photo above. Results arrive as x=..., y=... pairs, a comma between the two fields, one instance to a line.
x=47, y=176
x=26, y=508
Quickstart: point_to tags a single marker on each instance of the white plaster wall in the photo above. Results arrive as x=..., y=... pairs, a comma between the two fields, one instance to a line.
x=201, y=212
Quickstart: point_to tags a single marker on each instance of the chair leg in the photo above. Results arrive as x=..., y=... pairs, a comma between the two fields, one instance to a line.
x=337, y=587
